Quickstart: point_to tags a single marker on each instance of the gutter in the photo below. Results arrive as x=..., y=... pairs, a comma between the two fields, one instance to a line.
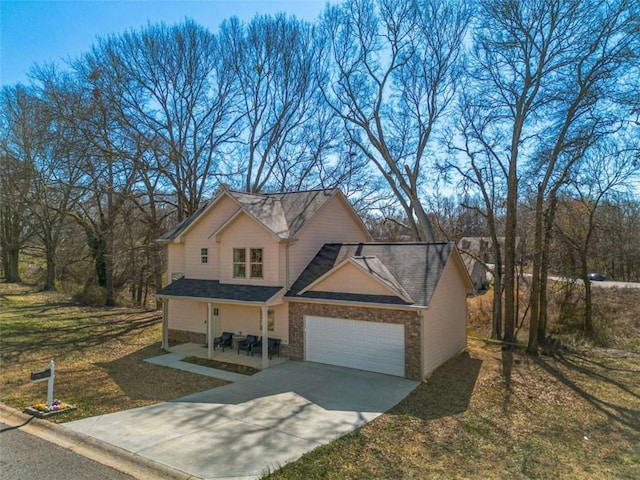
x=347, y=303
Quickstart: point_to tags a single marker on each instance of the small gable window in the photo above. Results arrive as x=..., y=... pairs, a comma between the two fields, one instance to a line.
x=239, y=262
x=204, y=255
x=256, y=262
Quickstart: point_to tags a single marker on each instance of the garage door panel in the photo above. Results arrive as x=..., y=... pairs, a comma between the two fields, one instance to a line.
x=372, y=346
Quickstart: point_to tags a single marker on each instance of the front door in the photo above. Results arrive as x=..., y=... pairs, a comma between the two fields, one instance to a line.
x=215, y=318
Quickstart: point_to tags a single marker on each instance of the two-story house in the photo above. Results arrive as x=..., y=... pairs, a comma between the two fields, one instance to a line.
x=301, y=267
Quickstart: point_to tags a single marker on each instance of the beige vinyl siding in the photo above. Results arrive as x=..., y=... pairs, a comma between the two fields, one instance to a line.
x=351, y=279
x=239, y=319
x=191, y=316
x=282, y=263
x=333, y=223
x=197, y=237
x=175, y=260
x=246, y=320
x=445, y=321
x=245, y=232
x=187, y=316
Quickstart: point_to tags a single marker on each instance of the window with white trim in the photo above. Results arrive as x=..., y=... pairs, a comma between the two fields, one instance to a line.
x=249, y=260
x=271, y=320
x=255, y=257
x=239, y=263
x=204, y=255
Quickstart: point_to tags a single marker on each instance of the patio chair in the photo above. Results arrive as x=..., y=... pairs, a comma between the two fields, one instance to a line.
x=273, y=346
x=224, y=340
x=247, y=344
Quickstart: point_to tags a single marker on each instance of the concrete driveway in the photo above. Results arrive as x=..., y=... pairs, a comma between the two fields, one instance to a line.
x=248, y=428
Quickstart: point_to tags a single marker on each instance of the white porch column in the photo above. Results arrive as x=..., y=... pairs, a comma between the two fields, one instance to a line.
x=265, y=338
x=165, y=324
x=209, y=331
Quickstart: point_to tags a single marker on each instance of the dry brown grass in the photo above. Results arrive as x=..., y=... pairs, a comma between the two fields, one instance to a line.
x=572, y=417
x=98, y=352
x=616, y=316
x=494, y=414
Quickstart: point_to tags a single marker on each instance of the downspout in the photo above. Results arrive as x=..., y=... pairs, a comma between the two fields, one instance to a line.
x=286, y=265
x=165, y=324
x=209, y=331
x=265, y=337
x=422, y=313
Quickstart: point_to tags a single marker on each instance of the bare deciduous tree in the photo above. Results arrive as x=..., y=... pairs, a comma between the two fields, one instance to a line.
x=172, y=91
x=543, y=79
x=394, y=72
x=284, y=131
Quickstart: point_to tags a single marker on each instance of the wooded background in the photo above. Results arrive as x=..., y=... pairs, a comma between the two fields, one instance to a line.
x=517, y=121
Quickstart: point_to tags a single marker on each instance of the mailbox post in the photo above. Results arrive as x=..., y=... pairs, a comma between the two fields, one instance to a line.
x=48, y=374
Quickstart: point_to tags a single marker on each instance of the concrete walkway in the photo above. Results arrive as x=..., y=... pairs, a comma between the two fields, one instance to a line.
x=173, y=360
x=246, y=429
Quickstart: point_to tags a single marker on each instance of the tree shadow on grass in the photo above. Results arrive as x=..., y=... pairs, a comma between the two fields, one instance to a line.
x=447, y=392
x=86, y=333
x=604, y=388
x=140, y=380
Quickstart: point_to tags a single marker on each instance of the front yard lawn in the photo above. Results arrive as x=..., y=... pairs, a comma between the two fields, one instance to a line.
x=486, y=414
x=98, y=353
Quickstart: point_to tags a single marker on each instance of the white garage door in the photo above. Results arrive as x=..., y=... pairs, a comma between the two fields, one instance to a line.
x=373, y=346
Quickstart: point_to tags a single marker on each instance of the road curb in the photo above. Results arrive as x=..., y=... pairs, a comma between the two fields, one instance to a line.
x=115, y=457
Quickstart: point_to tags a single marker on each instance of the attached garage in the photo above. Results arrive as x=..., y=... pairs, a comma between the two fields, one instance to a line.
x=393, y=308
x=372, y=346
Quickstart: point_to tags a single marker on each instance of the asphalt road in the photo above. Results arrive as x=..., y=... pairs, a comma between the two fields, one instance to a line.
x=608, y=284
x=605, y=284
x=23, y=456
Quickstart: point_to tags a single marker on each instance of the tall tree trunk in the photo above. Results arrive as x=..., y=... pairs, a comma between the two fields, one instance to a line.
x=549, y=219
x=12, y=272
x=50, y=282
x=108, y=270
x=157, y=271
x=496, y=331
x=510, y=252
x=536, y=286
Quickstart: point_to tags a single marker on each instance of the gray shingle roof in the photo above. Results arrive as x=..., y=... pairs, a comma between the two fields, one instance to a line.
x=175, y=232
x=282, y=213
x=416, y=267
x=377, y=269
x=213, y=289
x=266, y=209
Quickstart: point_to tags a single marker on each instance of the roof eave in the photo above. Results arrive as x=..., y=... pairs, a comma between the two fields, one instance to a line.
x=393, y=306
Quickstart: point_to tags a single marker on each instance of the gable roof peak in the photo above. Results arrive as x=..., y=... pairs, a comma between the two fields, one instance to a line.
x=283, y=213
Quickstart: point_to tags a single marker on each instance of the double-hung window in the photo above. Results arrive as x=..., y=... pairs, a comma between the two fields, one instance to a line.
x=239, y=263
x=204, y=255
x=255, y=257
x=248, y=260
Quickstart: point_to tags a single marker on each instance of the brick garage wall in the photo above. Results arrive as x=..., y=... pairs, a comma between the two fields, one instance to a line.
x=184, y=336
x=410, y=319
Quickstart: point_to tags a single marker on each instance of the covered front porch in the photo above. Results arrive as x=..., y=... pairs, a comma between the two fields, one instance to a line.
x=196, y=312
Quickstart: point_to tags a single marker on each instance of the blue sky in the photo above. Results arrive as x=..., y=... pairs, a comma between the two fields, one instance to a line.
x=54, y=30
